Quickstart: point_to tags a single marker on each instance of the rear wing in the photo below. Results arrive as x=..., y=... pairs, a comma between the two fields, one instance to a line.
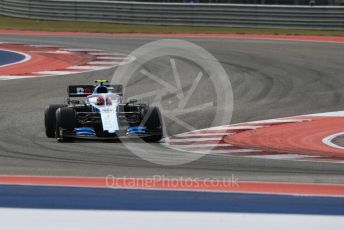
x=86, y=90
x=80, y=90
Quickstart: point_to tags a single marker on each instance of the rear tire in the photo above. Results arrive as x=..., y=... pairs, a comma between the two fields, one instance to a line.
x=65, y=121
x=153, y=123
x=50, y=119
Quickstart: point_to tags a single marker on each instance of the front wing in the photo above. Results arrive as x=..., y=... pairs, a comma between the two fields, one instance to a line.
x=115, y=137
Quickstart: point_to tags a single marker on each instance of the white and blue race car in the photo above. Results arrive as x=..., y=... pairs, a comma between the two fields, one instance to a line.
x=102, y=115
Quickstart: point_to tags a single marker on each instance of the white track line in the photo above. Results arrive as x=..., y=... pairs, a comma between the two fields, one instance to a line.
x=43, y=219
x=44, y=46
x=105, y=62
x=205, y=135
x=329, y=114
x=89, y=67
x=196, y=139
x=229, y=127
x=107, y=54
x=204, y=145
x=278, y=121
x=82, y=50
x=224, y=151
x=112, y=58
x=281, y=156
x=13, y=77
x=56, y=72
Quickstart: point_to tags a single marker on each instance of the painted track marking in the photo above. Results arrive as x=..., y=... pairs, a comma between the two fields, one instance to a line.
x=38, y=58
x=298, y=138
x=26, y=58
x=230, y=185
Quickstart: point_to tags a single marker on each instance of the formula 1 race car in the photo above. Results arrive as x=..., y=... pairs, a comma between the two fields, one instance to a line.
x=102, y=116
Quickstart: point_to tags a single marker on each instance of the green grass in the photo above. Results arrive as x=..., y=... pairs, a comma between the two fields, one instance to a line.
x=73, y=26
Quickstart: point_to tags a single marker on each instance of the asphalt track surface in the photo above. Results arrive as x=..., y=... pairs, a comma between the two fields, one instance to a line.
x=339, y=141
x=270, y=79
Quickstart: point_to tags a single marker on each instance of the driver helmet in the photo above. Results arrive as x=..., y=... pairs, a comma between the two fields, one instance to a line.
x=100, y=101
x=108, y=101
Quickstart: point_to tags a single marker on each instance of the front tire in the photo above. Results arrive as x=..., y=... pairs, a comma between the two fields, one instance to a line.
x=153, y=123
x=65, y=121
x=50, y=119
